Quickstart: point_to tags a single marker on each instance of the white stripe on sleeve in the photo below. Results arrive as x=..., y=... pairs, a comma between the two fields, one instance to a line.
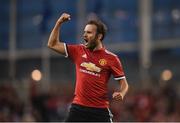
x=65, y=47
x=118, y=78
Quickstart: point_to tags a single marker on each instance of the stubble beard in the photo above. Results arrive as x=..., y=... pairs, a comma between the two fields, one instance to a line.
x=91, y=44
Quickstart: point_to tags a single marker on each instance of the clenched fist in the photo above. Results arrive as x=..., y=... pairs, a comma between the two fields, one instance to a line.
x=118, y=96
x=63, y=18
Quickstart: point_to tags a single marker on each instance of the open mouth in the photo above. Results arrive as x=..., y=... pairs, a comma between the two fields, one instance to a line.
x=85, y=42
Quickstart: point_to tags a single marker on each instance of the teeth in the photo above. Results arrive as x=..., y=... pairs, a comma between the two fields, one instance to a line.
x=86, y=44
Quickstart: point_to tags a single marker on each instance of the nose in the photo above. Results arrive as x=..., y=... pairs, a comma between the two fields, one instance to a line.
x=84, y=35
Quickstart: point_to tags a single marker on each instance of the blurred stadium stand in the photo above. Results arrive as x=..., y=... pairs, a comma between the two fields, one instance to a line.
x=23, y=49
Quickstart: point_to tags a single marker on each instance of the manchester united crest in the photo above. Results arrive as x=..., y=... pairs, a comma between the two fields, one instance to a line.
x=102, y=62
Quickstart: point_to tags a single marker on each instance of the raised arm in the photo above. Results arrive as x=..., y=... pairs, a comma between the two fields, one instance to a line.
x=54, y=41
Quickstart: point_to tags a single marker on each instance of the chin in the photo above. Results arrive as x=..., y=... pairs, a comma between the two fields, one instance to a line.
x=87, y=46
x=90, y=46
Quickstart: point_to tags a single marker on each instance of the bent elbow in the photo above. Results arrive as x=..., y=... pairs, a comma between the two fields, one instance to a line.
x=49, y=45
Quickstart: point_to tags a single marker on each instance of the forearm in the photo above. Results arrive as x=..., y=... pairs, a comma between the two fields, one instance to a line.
x=54, y=42
x=119, y=95
x=123, y=86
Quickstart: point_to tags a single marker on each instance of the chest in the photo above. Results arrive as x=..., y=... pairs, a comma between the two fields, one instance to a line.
x=94, y=61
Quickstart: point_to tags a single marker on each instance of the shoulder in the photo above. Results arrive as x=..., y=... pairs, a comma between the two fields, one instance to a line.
x=112, y=55
x=109, y=53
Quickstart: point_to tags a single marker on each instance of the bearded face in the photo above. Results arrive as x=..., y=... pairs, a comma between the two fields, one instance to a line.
x=90, y=36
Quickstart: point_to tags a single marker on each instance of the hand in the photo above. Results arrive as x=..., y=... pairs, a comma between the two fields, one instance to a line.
x=63, y=18
x=118, y=96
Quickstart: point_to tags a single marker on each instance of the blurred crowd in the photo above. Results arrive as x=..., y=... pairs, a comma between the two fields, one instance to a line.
x=149, y=105
x=157, y=104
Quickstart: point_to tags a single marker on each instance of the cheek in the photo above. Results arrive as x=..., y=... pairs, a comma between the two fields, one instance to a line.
x=93, y=36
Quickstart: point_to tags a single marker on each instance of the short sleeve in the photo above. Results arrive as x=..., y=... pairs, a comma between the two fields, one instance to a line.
x=117, y=69
x=72, y=51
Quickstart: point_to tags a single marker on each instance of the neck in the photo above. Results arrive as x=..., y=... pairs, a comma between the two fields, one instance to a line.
x=96, y=46
x=99, y=46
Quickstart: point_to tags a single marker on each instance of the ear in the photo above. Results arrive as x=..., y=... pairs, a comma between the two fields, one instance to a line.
x=100, y=36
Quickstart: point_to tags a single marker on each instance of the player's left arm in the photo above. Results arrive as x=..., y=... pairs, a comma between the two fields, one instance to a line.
x=119, y=76
x=119, y=95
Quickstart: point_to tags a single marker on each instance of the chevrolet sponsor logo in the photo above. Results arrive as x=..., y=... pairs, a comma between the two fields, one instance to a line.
x=90, y=66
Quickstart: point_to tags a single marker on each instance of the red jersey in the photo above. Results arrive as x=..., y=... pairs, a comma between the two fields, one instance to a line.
x=93, y=70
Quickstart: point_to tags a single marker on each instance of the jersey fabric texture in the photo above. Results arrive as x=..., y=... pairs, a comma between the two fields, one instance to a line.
x=93, y=70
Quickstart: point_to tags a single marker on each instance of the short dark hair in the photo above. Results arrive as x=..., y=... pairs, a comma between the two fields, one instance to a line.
x=101, y=27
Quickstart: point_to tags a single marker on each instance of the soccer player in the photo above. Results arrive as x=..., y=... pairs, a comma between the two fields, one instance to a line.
x=94, y=65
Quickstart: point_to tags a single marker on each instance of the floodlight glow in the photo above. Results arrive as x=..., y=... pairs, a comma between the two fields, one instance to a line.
x=36, y=75
x=166, y=75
